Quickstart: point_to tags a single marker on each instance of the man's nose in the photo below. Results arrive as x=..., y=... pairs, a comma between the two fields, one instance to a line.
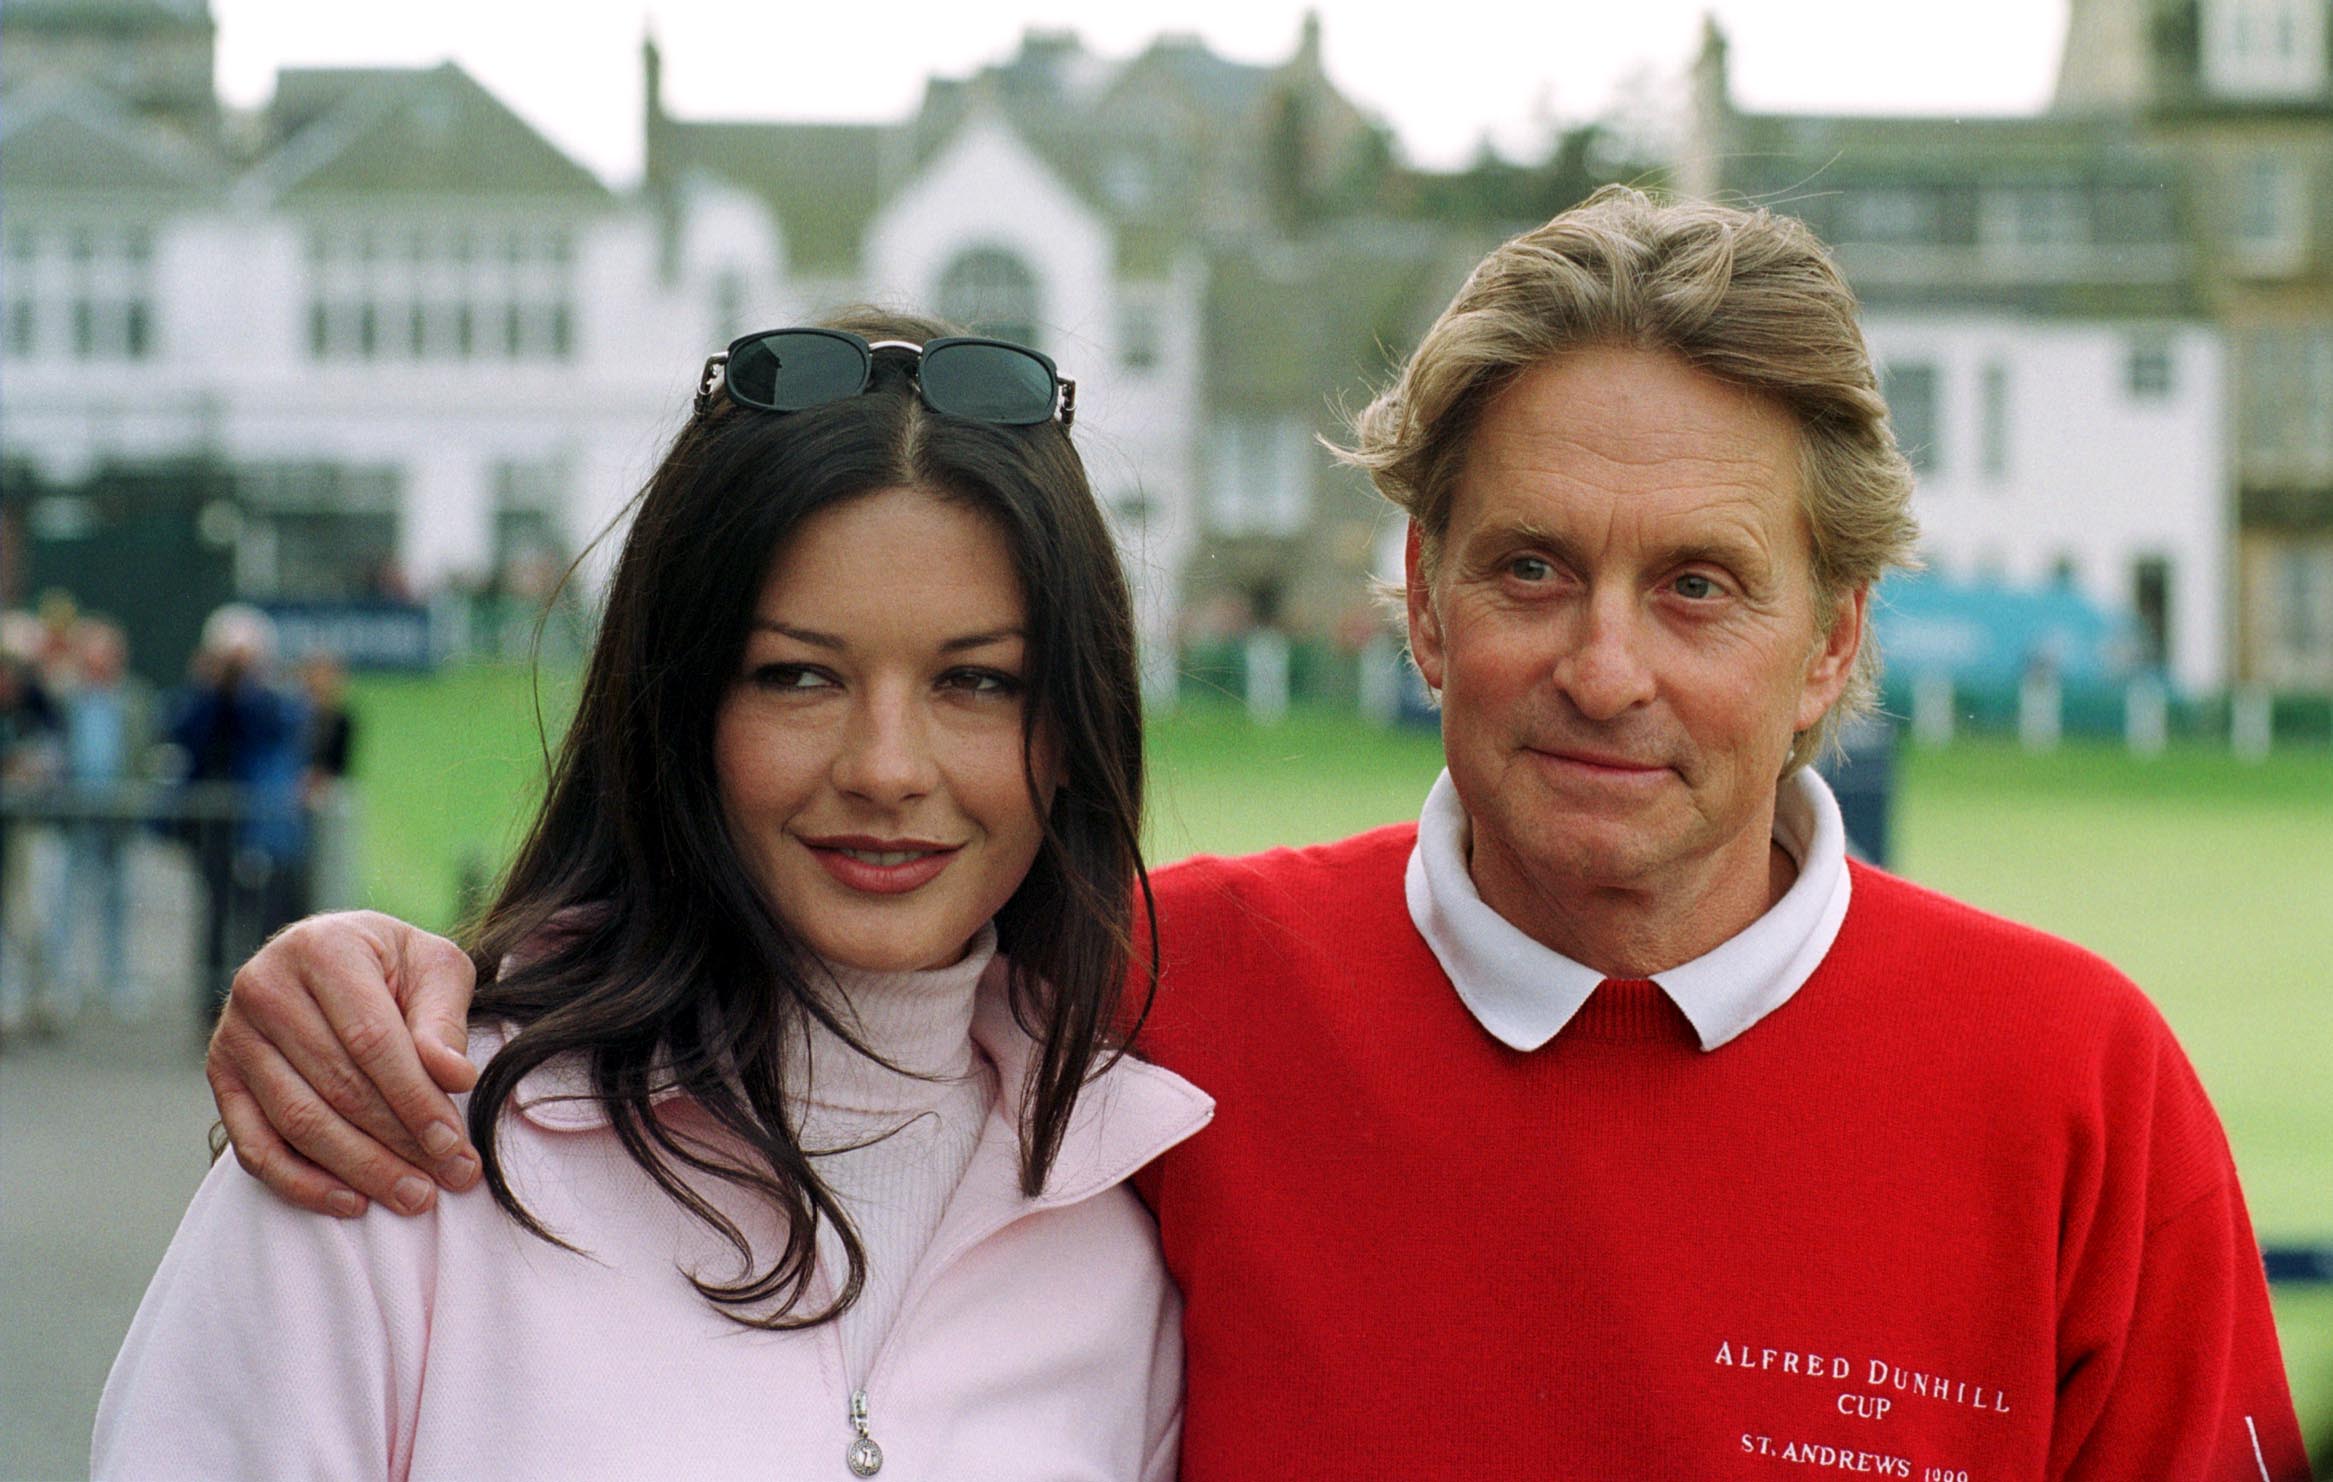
x=1604, y=671
x=886, y=756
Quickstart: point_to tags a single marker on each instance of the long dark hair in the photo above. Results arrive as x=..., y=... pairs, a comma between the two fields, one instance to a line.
x=627, y=931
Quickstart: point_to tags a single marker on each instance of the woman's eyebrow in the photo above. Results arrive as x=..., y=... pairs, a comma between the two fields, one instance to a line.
x=829, y=641
x=982, y=640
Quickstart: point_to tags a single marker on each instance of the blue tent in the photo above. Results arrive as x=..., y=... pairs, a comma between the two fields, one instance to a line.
x=1986, y=635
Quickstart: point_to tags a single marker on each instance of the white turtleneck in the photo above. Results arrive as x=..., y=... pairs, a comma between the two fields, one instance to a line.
x=923, y=1123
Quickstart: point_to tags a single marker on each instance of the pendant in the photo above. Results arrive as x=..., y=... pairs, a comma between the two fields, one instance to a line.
x=864, y=1457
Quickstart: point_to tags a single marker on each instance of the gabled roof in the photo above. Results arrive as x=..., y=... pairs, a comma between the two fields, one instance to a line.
x=70, y=137
x=116, y=15
x=425, y=131
x=1288, y=324
x=823, y=182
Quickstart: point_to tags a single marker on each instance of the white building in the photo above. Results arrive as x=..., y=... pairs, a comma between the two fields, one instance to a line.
x=411, y=344
x=2037, y=306
x=2054, y=451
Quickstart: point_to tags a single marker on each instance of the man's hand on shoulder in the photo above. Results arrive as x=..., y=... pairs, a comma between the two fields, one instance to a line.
x=334, y=1058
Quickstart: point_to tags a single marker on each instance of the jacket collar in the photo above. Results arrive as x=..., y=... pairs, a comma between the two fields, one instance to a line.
x=1126, y=1116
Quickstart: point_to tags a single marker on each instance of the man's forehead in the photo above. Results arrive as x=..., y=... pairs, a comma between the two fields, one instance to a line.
x=1627, y=428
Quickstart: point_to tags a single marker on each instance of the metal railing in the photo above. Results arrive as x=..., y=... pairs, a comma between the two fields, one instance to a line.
x=202, y=872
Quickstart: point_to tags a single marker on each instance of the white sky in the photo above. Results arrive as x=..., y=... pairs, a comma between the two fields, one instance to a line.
x=1477, y=67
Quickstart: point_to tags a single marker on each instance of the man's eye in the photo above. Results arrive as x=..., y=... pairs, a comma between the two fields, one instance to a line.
x=1695, y=586
x=1530, y=568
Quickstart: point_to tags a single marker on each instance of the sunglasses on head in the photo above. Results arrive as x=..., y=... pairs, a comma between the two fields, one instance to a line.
x=789, y=370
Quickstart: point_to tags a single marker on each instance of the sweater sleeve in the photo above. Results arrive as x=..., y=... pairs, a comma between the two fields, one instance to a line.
x=2168, y=1360
x=270, y=1345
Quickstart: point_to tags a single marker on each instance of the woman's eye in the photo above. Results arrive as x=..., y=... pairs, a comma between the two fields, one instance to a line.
x=788, y=677
x=981, y=682
x=1695, y=586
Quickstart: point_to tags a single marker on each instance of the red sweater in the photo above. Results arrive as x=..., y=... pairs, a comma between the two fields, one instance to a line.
x=1959, y=1209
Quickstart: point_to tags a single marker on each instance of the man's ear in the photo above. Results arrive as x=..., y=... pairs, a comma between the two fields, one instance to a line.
x=1425, y=624
x=1832, y=663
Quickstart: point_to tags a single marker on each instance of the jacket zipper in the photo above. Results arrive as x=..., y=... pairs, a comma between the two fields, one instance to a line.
x=863, y=1456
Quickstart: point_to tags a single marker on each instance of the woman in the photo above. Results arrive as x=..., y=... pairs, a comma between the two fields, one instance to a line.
x=803, y=1134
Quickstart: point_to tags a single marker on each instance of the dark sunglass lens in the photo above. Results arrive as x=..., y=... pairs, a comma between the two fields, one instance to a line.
x=789, y=371
x=995, y=383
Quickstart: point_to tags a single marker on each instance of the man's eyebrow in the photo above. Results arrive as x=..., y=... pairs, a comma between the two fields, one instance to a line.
x=834, y=644
x=1717, y=550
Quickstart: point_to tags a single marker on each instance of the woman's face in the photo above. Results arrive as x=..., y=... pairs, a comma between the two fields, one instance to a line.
x=869, y=750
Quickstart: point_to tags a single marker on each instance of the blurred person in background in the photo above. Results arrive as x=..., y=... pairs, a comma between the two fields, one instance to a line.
x=796, y=1008
x=29, y=728
x=108, y=726
x=1608, y=1121
x=239, y=737
x=328, y=744
x=329, y=741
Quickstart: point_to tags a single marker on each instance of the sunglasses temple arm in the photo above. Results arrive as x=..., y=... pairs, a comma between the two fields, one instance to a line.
x=715, y=365
x=1068, y=402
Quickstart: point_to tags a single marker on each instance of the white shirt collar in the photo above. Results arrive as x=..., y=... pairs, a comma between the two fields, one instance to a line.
x=1523, y=992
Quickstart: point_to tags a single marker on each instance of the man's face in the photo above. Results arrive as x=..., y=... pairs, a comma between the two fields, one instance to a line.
x=1621, y=622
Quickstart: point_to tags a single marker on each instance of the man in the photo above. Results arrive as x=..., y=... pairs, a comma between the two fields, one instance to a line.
x=108, y=727
x=1606, y=1123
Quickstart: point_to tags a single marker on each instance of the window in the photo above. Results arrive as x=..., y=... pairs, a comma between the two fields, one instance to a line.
x=2304, y=603
x=2271, y=216
x=2039, y=215
x=84, y=293
x=2150, y=600
x=1995, y=429
x=2136, y=213
x=2146, y=367
x=530, y=540
x=1914, y=397
x=994, y=292
x=318, y=531
x=440, y=294
x=2287, y=403
x=1891, y=215
x=1259, y=475
x=729, y=306
x=2264, y=48
x=1138, y=337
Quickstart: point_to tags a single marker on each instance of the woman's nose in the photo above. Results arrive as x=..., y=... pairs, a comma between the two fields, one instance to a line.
x=886, y=755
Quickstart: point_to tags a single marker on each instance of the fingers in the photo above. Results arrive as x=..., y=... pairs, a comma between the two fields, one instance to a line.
x=314, y=1035
x=271, y=1160
x=324, y=1054
x=364, y=983
x=435, y=980
x=286, y=1137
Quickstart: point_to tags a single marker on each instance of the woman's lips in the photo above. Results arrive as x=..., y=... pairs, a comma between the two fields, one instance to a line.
x=881, y=866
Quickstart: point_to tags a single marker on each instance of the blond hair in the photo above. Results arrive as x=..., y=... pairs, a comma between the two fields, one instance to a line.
x=1744, y=296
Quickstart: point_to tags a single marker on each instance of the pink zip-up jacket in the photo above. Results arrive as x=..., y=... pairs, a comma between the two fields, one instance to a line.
x=1039, y=1338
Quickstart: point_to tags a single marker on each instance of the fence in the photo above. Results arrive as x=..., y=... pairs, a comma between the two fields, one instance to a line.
x=128, y=894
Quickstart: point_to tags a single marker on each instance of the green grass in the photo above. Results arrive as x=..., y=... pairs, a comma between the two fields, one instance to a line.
x=2209, y=881
x=449, y=770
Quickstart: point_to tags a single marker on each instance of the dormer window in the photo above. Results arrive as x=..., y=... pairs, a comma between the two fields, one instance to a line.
x=2264, y=48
